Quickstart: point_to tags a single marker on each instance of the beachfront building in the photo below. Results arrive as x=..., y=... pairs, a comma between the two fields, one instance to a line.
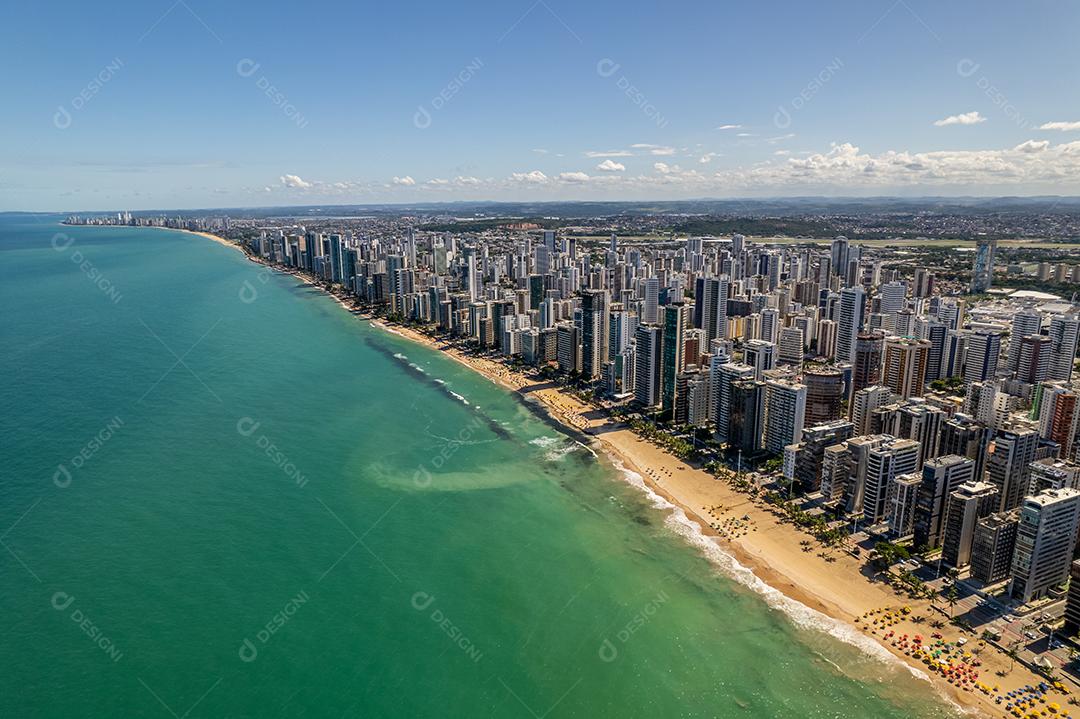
x=1045, y=539
x=969, y=503
x=941, y=477
x=648, y=358
x=785, y=406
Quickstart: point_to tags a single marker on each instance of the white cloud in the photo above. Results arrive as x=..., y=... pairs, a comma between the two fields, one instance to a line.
x=437, y=182
x=574, y=177
x=466, y=180
x=1032, y=146
x=967, y=118
x=654, y=149
x=782, y=152
x=708, y=157
x=540, y=151
x=294, y=181
x=608, y=153
x=404, y=181
x=663, y=168
x=535, y=177
x=729, y=127
x=1063, y=126
x=611, y=166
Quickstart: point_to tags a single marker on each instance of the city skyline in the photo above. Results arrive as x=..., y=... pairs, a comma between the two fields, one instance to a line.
x=186, y=105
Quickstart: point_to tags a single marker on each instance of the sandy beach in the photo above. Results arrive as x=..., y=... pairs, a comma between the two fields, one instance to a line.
x=830, y=582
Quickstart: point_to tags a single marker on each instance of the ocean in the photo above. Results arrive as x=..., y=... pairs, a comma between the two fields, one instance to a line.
x=224, y=496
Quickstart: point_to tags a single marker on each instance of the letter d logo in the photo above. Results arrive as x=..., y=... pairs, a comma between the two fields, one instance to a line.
x=608, y=652
x=62, y=477
x=248, y=652
x=421, y=601
x=62, y=600
x=246, y=426
x=62, y=118
x=248, y=293
x=422, y=118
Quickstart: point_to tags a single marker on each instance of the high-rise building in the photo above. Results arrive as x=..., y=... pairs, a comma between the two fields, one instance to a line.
x=1008, y=464
x=1045, y=539
x=676, y=322
x=723, y=375
x=811, y=454
x=1064, y=333
x=966, y=505
x=710, y=307
x=760, y=355
x=650, y=311
x=863, y=405
x=936, y=334
x=791, y=345
x=746, y=410
x=594, y=332
x=834, y=472
x=983, y=350
x=992, y=547
x=568, y=347
x=1033, y=365
x=839, y=255
x=941, y=477
x=913, y=419
x=869, y=354
x=1059, y=416
x=826, y=338
x=785, y=408
x=648, y=359
x=924, y=282
x=824, y=394
x=982, y=272
x=905, y=366
x=1072, y=601
x=1025, y=323
x=852, y=314
x=901, y=503
x=884, y=463
x=892, y=297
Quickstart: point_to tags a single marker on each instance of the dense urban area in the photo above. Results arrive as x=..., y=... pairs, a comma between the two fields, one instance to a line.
x=907, y=391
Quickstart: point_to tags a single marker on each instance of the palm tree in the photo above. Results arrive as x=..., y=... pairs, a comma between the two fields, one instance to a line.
x=1012, y=654
x=951, y=597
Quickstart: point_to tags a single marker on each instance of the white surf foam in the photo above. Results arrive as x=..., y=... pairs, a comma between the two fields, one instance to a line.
x=803, y=616
x=457, y=396
x=545, y=441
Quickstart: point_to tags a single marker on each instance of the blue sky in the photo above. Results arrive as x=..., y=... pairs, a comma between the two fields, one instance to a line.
x=164, y=104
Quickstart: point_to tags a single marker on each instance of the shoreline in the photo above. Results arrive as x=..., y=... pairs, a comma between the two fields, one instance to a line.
x=775, y=553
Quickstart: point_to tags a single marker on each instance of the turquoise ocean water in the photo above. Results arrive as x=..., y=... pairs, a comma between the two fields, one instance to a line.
x=213, y=507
